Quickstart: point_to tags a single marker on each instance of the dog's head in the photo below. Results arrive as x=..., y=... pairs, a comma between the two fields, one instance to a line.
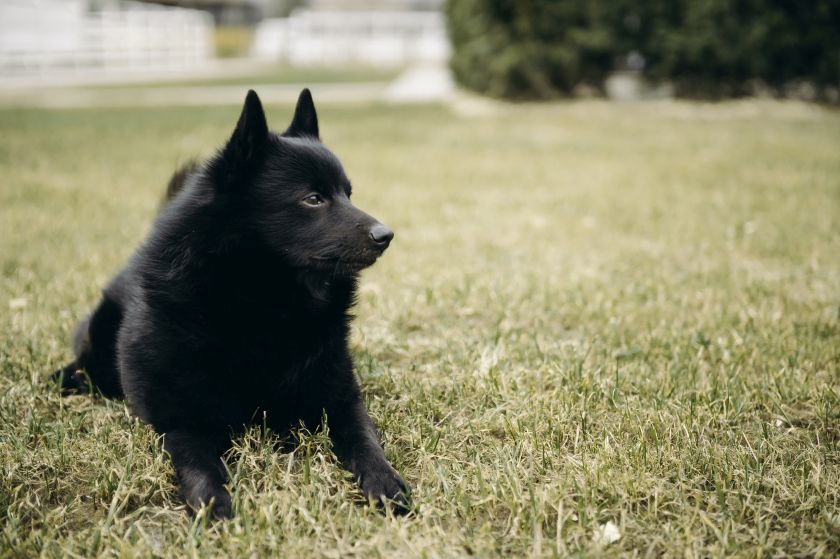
x=296, y=195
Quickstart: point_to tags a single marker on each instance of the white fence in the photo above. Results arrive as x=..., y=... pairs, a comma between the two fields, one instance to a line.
x=37, y=36
x=322, y=37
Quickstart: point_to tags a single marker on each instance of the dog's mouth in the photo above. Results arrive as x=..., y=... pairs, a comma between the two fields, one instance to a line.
x=338, y=266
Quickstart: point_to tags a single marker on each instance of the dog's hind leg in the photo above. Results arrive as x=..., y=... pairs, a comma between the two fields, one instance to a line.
x=94, y=344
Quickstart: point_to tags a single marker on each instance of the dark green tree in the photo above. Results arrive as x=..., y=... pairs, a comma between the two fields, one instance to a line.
x=709, y=48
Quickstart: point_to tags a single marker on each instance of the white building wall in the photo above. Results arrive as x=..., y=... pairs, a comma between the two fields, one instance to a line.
x=37, y=36
x=329, y=37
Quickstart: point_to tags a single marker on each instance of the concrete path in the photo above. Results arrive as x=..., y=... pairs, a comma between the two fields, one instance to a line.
x=57, y=78
x=70, y=97
x=415, y=85
x=421, y=84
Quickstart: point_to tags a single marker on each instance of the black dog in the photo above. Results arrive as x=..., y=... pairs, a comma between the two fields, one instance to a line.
x=235, y=309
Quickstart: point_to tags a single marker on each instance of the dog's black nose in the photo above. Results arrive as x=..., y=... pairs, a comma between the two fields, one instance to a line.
x=381, y=235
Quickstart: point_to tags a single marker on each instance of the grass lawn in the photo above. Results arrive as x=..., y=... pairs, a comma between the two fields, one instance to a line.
x=591, y=313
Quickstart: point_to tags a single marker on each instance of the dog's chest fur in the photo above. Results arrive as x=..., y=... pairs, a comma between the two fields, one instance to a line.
x=266, y=348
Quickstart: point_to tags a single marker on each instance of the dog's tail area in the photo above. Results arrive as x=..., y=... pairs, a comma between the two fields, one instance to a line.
x=179, y=179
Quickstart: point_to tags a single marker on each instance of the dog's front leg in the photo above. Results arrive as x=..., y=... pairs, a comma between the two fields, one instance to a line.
x=201, y=473
x=357, y=446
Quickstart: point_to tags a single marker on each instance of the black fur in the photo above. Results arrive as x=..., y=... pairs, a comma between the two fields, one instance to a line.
x=236, y=308
x=179, y=179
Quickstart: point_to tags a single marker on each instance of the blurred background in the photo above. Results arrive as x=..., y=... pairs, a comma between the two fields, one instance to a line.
x=363, y=45
x=613, y=298
x=623, y=49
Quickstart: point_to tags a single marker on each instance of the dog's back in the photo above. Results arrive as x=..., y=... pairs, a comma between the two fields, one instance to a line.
x=179, y=179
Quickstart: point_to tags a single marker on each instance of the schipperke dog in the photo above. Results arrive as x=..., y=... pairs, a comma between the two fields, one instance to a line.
x=235, y=310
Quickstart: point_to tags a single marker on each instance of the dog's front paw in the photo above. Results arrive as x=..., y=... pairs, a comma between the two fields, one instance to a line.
x=222, y=507
x=217, y=499
x=383, y=484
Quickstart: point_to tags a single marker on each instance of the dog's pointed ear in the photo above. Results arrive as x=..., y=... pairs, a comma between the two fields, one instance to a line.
x=305, y=121
x=251, y=132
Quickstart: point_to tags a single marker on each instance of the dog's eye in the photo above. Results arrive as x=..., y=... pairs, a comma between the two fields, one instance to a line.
x=313, y=200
